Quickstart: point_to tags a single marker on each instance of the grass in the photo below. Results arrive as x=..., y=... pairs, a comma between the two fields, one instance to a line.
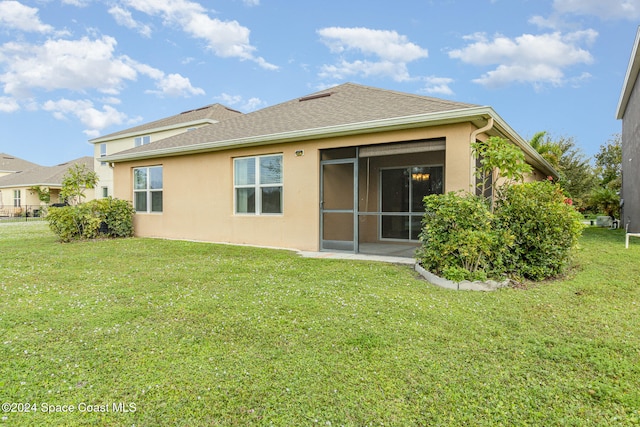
x=188, y=334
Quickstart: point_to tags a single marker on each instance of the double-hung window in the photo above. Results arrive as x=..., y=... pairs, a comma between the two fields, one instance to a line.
x=147, y=189
x=17, y=199
x=142, y=140
x=257, y=183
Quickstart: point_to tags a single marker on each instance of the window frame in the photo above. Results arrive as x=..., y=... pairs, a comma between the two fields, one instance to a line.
x=410, y=214
x=148, y=190
x=141, y=140
x=17, y=198
x=103, y=153
x=258, y=186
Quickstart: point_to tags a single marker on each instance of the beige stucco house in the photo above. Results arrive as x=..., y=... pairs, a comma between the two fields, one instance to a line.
x=147, y=133
x=17, y=195
x=345, y=169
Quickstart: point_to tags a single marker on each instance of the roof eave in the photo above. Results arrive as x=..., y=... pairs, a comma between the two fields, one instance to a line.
x=405, y=122
x=108, y=138
x=630, y=77
x=382, y=125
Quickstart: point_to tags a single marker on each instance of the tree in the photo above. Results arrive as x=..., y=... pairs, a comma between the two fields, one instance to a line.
x=77, y=178
x=575, y=174
x=498, y=158
x=609, y=163
x=43, y=193
x=549, y=150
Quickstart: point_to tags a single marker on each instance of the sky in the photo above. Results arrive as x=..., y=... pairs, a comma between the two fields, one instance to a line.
x=73, y=70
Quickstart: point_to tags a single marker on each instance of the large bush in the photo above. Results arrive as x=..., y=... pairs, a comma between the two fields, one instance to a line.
x=459, y=240
x=544, y=224
x=103, y=217
x=529, y=235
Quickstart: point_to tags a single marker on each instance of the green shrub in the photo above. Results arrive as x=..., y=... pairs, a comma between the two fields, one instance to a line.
x=458, y=238
x=103, y=217
x=545, y=226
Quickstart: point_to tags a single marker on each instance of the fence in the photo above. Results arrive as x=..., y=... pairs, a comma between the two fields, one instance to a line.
x=23, y=213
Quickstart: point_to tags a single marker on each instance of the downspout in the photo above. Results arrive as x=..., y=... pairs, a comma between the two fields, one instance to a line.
x=472, y=139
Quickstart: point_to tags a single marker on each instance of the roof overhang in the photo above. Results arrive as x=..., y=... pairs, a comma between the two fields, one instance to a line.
x=630, y=78
x=478, y=116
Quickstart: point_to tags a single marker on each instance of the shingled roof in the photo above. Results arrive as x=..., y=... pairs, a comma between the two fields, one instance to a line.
x=343, y=105
x=9, y=163
x=209, y=114
x=50, y=176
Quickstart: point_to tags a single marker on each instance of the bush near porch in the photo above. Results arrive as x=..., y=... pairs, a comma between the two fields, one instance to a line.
x=529, y=235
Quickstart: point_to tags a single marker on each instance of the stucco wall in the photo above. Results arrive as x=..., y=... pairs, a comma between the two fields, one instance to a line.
x=631, y=162
x=198, y=189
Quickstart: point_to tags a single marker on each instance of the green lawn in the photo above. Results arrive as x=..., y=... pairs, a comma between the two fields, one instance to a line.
x=183, y=333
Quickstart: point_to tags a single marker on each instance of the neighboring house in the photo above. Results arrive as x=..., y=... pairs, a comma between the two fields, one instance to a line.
x=629, y=112
x=17, y=196
x=10, y=164
x=148, y=133
x=342, y=169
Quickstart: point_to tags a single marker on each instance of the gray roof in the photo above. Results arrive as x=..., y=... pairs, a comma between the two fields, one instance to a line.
x=43, y=175
x=9, y=163
x=208, y=114
x=341, y=105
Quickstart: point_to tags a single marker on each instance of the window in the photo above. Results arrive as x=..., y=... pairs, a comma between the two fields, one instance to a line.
x=16, y=199
x=257, y=184
x=105, y=192
x=103, y=152
x=402, y=191
x=142, y=140
x=147, y=189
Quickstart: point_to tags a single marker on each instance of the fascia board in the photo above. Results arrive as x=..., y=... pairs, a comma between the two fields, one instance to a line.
x=630, y=78
x=151, y=131
x=395, y=123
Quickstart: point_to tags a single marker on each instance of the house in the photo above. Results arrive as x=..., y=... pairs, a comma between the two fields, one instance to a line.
x=342, y=169
x=10, y=164
x=150, y=132
x=629, y=112
x=17, y=190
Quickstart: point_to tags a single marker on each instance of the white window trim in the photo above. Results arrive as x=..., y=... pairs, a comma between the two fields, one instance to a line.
x=141, y=139
x=103, y=153
x=257, y=186
x=17, y=198
x=148, y=190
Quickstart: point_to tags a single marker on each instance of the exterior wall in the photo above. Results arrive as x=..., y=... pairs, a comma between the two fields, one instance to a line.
x=198, y=189
x=28, y=200
x=631, y=162
x=105, y=172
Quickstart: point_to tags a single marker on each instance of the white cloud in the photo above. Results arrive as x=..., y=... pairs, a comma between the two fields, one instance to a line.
x=251, y=104
x=8, y=105
x=619, y=9
x=80, y=65
x=536, y=59
x=123, y=17
x=251, y=3
x=225, y=38
x=17, y=16
x=64, y=64
x=92, y=118
x=393, y=52
x=175, y=85
x=437, y=85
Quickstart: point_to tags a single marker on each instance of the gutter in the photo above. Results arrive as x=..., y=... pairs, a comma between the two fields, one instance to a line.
x=472, y=139
x=394, y=123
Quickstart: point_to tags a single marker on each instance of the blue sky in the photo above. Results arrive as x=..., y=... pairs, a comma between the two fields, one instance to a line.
x=72, y=70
